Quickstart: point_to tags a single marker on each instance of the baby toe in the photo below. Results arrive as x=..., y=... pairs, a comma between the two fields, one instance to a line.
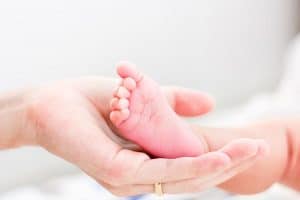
x=114, y=103
x=129, y=83
x=116, y=117
x=126, y=69
x=122, y=92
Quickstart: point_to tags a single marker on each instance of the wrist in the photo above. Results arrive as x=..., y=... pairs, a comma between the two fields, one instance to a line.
x=15, y=130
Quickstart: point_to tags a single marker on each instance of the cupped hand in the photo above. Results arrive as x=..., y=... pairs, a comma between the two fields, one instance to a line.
x=70, y=119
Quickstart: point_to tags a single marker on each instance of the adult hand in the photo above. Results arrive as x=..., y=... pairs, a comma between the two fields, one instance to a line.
x=70, y=120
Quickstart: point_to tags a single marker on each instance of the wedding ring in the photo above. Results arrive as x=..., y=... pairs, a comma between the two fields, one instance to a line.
x=158, y=189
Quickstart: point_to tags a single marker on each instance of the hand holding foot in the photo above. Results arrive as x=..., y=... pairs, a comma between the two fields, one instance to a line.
x=142, y=114
x=70, y=119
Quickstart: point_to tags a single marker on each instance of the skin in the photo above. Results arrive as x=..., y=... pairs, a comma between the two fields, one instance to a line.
x=280, y=166
x=142, y=114
x=155, y=134
x=70, y=119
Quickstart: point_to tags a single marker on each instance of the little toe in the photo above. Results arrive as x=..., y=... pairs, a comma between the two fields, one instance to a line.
x=122, y=92
x=126, y=69
x=129, y=83
x=117, y=117
x=114, y=103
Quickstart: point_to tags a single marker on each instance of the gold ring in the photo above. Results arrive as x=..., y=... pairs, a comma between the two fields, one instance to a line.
x=158, y=189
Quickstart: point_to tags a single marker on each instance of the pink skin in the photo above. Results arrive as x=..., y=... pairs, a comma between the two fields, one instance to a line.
x=142, y=114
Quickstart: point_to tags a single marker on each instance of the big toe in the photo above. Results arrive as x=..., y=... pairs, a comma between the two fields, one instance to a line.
x=126, y=69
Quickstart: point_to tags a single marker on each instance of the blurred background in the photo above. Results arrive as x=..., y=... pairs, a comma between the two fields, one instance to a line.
x=230, y=48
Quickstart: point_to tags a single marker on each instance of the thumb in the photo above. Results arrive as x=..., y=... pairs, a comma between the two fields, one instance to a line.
x=188, y=102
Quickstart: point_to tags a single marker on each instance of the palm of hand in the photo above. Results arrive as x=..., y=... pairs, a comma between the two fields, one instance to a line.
x=69, y=123
x=70, y=119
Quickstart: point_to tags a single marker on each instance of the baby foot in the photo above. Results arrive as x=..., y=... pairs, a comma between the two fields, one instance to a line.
x=141, y=113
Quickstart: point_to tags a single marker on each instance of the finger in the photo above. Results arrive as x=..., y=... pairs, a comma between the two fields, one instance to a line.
x=166, y=170
x=198, y=185
x=241, y=149
x=191, y=185
x=188, y=102
x=130, y=167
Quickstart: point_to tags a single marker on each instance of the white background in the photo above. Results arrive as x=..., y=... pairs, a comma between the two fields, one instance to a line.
x=230, y=48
